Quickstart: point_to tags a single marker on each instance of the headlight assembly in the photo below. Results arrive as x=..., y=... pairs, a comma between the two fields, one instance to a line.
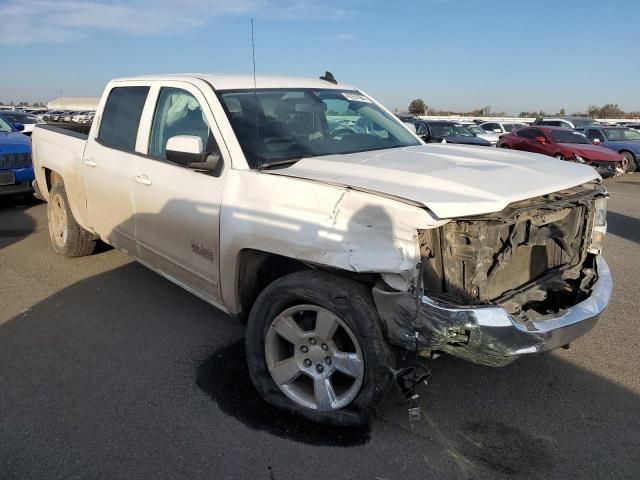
x=599, y=225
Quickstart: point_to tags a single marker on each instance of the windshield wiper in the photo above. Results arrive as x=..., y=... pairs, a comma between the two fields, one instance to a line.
x=278, y=163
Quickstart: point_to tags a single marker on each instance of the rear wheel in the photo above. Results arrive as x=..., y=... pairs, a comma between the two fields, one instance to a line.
x=628, y=162
x=315, y=348
x=67, y=237
x=504, y=145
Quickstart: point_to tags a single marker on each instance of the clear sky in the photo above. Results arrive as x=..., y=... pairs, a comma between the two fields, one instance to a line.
x=513, y=55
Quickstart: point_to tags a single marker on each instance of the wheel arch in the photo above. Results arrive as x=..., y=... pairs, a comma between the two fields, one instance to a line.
x=257, y=269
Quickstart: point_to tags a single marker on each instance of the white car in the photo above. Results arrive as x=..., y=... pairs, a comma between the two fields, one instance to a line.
x=502, y=127
x=83, y=117
x=351, y=253
x=480, y=133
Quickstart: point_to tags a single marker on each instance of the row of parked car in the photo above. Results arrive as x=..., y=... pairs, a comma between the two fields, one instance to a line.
x=30, y=117
x=611, y=149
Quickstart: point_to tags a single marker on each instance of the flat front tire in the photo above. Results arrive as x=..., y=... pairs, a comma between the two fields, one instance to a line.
x=315, y=348
x=67, y=237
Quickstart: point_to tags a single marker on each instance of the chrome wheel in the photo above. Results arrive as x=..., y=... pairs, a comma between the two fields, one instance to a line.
x=58, y=220
x=314, y=358
x=627, y=161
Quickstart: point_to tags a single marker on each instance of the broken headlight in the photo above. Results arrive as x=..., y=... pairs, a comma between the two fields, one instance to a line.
x=599, y=225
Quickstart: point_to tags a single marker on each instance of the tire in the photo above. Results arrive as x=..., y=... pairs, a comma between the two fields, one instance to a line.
x=67, y=237
x=559, y=156
x=629, y=163
x=302, y=296
x=504, y=145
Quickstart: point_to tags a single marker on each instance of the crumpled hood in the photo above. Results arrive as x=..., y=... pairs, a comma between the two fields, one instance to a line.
x=450, y=180
x=595, y=152
x=14, y=142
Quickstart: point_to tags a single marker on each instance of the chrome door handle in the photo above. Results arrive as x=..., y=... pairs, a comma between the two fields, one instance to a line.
x=142, y=179
x=90, y=162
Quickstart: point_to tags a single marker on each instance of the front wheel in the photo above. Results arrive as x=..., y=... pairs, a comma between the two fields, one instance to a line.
x=315, y=348
x=628, y=162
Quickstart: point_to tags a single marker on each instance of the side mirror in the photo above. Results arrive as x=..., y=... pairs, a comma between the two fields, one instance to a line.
x=596, y=141
x=541, y=140
x=187, y=150
x=18, y=126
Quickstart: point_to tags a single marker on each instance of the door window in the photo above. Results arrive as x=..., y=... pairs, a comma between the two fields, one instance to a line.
x=530, y=133
x=121, y=117
x=178, y=113
x=593, y=134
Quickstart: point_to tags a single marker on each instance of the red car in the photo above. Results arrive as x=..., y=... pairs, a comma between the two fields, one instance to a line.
x=564, y=144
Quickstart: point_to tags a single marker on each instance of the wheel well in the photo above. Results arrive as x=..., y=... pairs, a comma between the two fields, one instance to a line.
x=257, y=269
x=624, y=150
x=51, y=178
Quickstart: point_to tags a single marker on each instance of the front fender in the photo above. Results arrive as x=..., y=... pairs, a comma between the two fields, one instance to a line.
x=317, y=223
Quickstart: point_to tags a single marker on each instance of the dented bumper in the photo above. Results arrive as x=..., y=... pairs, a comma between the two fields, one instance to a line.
x=487, y=335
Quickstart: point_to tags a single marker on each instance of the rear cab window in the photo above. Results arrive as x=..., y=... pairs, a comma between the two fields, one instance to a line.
x=121, y=117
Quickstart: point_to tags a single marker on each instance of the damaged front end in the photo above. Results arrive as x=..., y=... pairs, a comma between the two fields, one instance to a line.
x=524, y=280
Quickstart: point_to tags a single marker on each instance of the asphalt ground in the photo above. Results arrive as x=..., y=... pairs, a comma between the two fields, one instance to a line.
x=109, y=371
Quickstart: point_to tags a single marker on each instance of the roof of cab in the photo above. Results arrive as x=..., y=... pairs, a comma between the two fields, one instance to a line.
x=221, y=81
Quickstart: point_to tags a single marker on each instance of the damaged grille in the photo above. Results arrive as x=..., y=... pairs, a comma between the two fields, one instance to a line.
x=532, y=258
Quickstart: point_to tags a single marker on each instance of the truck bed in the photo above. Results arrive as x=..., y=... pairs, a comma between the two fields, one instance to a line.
x=59, y=150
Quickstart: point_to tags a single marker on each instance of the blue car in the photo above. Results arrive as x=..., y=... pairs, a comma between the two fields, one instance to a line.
x=623, y=140
x=16, y=169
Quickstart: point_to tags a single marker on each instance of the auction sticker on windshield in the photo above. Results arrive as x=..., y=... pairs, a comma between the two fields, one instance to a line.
x=355, y=97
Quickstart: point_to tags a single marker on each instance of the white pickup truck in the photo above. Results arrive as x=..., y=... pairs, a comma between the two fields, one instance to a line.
x=308, y=210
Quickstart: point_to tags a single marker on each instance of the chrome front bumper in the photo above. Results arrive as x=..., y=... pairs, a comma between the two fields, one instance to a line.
x=487, y=335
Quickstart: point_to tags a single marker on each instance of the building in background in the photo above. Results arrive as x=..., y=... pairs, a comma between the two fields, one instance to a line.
x=73, y=103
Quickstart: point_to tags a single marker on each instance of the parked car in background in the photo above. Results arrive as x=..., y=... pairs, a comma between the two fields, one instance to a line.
x=625, y=141
x=16, y=170
x=501, y=127
x=474, y=128
x=407, y=118
x=83, y=117
x=564, y=144
x=567, y=122
x=52, y=115
x=635, y=126
x=27, y=120
x=447, y=132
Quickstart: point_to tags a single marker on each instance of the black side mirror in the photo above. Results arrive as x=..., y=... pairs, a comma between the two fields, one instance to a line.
x=187, y=150
x=18, y=126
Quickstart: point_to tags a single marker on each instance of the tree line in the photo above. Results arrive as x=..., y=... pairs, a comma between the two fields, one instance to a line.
x=610, y=110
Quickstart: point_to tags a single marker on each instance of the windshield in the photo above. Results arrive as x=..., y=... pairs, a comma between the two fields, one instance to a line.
x=568, y=136
x=621, y=134
x=584, y=122
x=510, y=127
x=277, y=126
x=5, y=126
x=449, y=130
x=476, y=129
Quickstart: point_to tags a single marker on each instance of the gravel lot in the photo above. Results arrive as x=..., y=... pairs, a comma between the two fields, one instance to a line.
x=109, y=371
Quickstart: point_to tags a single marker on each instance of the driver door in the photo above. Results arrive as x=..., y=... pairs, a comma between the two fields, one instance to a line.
x=177, y=207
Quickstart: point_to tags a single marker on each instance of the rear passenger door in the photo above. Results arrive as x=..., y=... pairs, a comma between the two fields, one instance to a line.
x=108, y=165
x=178, y=208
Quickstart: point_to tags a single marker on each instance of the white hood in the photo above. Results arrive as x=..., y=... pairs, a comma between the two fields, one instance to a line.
x=450, y=180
